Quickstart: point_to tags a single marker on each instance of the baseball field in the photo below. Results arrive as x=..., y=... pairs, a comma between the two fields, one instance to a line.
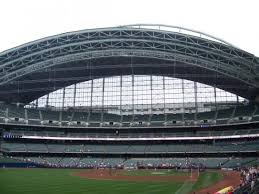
x=72, y=181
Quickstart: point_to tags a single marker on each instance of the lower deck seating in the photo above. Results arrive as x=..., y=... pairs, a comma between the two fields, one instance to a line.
x=153, y=162
x=72, y=162
x=176, y=162
x=170, y=147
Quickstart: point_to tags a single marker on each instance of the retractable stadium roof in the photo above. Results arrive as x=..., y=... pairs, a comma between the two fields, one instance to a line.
x=42, y=66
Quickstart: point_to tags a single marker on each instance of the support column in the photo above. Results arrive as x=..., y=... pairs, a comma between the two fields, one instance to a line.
x=165, y=117
x=151, y=100
x=216, y=106
x=196, y=101
x=74, y=98
x=164, y=92
x=133, y=106
x=63, y=98
x=120, y=94
x=102, y=99
x=47, y=100
x=1, y=139
x=103, y=93
x=91, y=100
x=215, y=96
x=183, y=100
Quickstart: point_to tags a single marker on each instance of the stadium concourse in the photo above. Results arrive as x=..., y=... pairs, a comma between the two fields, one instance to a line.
x=132, y=97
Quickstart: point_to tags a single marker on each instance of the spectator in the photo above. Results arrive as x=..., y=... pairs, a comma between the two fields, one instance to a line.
x=252, y=184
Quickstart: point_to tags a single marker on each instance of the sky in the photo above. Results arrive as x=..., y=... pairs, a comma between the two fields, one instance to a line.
x=235, y=21
x=172, y=91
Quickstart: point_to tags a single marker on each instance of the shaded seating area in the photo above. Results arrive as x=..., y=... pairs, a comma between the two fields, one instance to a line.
x=11, y=113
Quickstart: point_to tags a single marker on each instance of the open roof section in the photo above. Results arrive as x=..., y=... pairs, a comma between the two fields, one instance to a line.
x=132, y=49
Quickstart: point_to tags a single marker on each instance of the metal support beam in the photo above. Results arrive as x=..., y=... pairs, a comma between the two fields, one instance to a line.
x=47, y=100
x=151, y=93
x=195, y=100
x=74, y=96
x=91, y=100
x=120, y=94
x=63, y=98
x=183, y=107
x=215, y=54
x=164, y=93
x=133, y=96
x=103, y=88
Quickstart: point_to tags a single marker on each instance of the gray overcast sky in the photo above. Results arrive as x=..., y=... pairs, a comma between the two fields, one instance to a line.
x=235, y=21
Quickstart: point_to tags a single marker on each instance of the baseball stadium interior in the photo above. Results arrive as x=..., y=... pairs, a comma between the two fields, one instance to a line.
x=130, y=97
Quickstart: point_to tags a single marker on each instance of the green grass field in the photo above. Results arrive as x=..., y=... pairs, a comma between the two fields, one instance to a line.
x=60, y=181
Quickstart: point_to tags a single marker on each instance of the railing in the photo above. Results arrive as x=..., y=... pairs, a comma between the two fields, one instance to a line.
x=166, y=138
x=178, y=29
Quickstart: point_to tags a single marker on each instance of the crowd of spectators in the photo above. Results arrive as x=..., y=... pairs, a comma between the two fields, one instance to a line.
x=249, y=182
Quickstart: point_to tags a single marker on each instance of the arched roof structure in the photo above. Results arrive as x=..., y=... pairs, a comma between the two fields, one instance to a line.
x=39, y=67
